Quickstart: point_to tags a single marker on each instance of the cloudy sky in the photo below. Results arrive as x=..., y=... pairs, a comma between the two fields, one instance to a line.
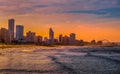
x=89, y=19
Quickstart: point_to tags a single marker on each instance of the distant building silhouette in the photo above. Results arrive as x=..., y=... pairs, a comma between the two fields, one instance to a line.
x=93, y=42
x=11, y=23
x=30, y=37
x=99, y=42
x=7, y=36
x=65, y=40
x=80, y=42
x=51, y=36
x=60, y=39
x=4, y=36
x=72, y=39
x=19, y=33
x=46, y=41
x=56, y=41
x=39, y=39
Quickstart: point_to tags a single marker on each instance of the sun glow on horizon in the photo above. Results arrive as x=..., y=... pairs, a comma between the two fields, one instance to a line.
x=86, y=19
x=82, y=30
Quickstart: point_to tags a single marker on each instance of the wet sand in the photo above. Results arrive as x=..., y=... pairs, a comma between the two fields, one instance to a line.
x=60, y=60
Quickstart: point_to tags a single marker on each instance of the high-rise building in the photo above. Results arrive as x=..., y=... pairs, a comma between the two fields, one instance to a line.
x=72, y=38
x=60, y=39
x=11, y=23
x=51, y=36
x=4, y=36
x=39, y=39
x=19, y=32
x=65, y=40
x=31, y=37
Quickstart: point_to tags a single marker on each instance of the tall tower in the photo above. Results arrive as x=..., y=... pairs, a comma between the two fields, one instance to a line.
x=19, y=32
x=11, y=23
x=60, y=39
x=51, y=36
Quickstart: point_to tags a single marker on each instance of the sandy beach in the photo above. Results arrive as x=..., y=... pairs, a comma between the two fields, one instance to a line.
x=60, y=60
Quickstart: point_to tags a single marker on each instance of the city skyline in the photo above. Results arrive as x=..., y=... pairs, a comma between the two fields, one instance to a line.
x=60, y=36
x=47, y=34
x=88, y=19
x=9, y=36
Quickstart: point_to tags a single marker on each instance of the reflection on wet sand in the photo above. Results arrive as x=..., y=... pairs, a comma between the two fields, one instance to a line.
x=64, y=60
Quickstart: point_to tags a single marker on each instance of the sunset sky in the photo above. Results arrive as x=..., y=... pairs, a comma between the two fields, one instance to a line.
x=89, y=19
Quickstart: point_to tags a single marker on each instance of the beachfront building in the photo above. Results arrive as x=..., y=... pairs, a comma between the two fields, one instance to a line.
x=30, y=37
x=51, y=36
x=39, y=39
x=60, y=38
x=19, y=33
x=11, y=23
x=72, y=39
x=4, y=36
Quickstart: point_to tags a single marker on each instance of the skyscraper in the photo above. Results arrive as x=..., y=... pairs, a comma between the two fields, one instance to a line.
x=60, y=39
x=4, y=36
x=72, y=38
x=11, y=23
x=51, y=36
x=19, y=32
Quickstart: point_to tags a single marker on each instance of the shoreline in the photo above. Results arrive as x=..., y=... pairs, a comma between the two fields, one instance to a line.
x=4, y=46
